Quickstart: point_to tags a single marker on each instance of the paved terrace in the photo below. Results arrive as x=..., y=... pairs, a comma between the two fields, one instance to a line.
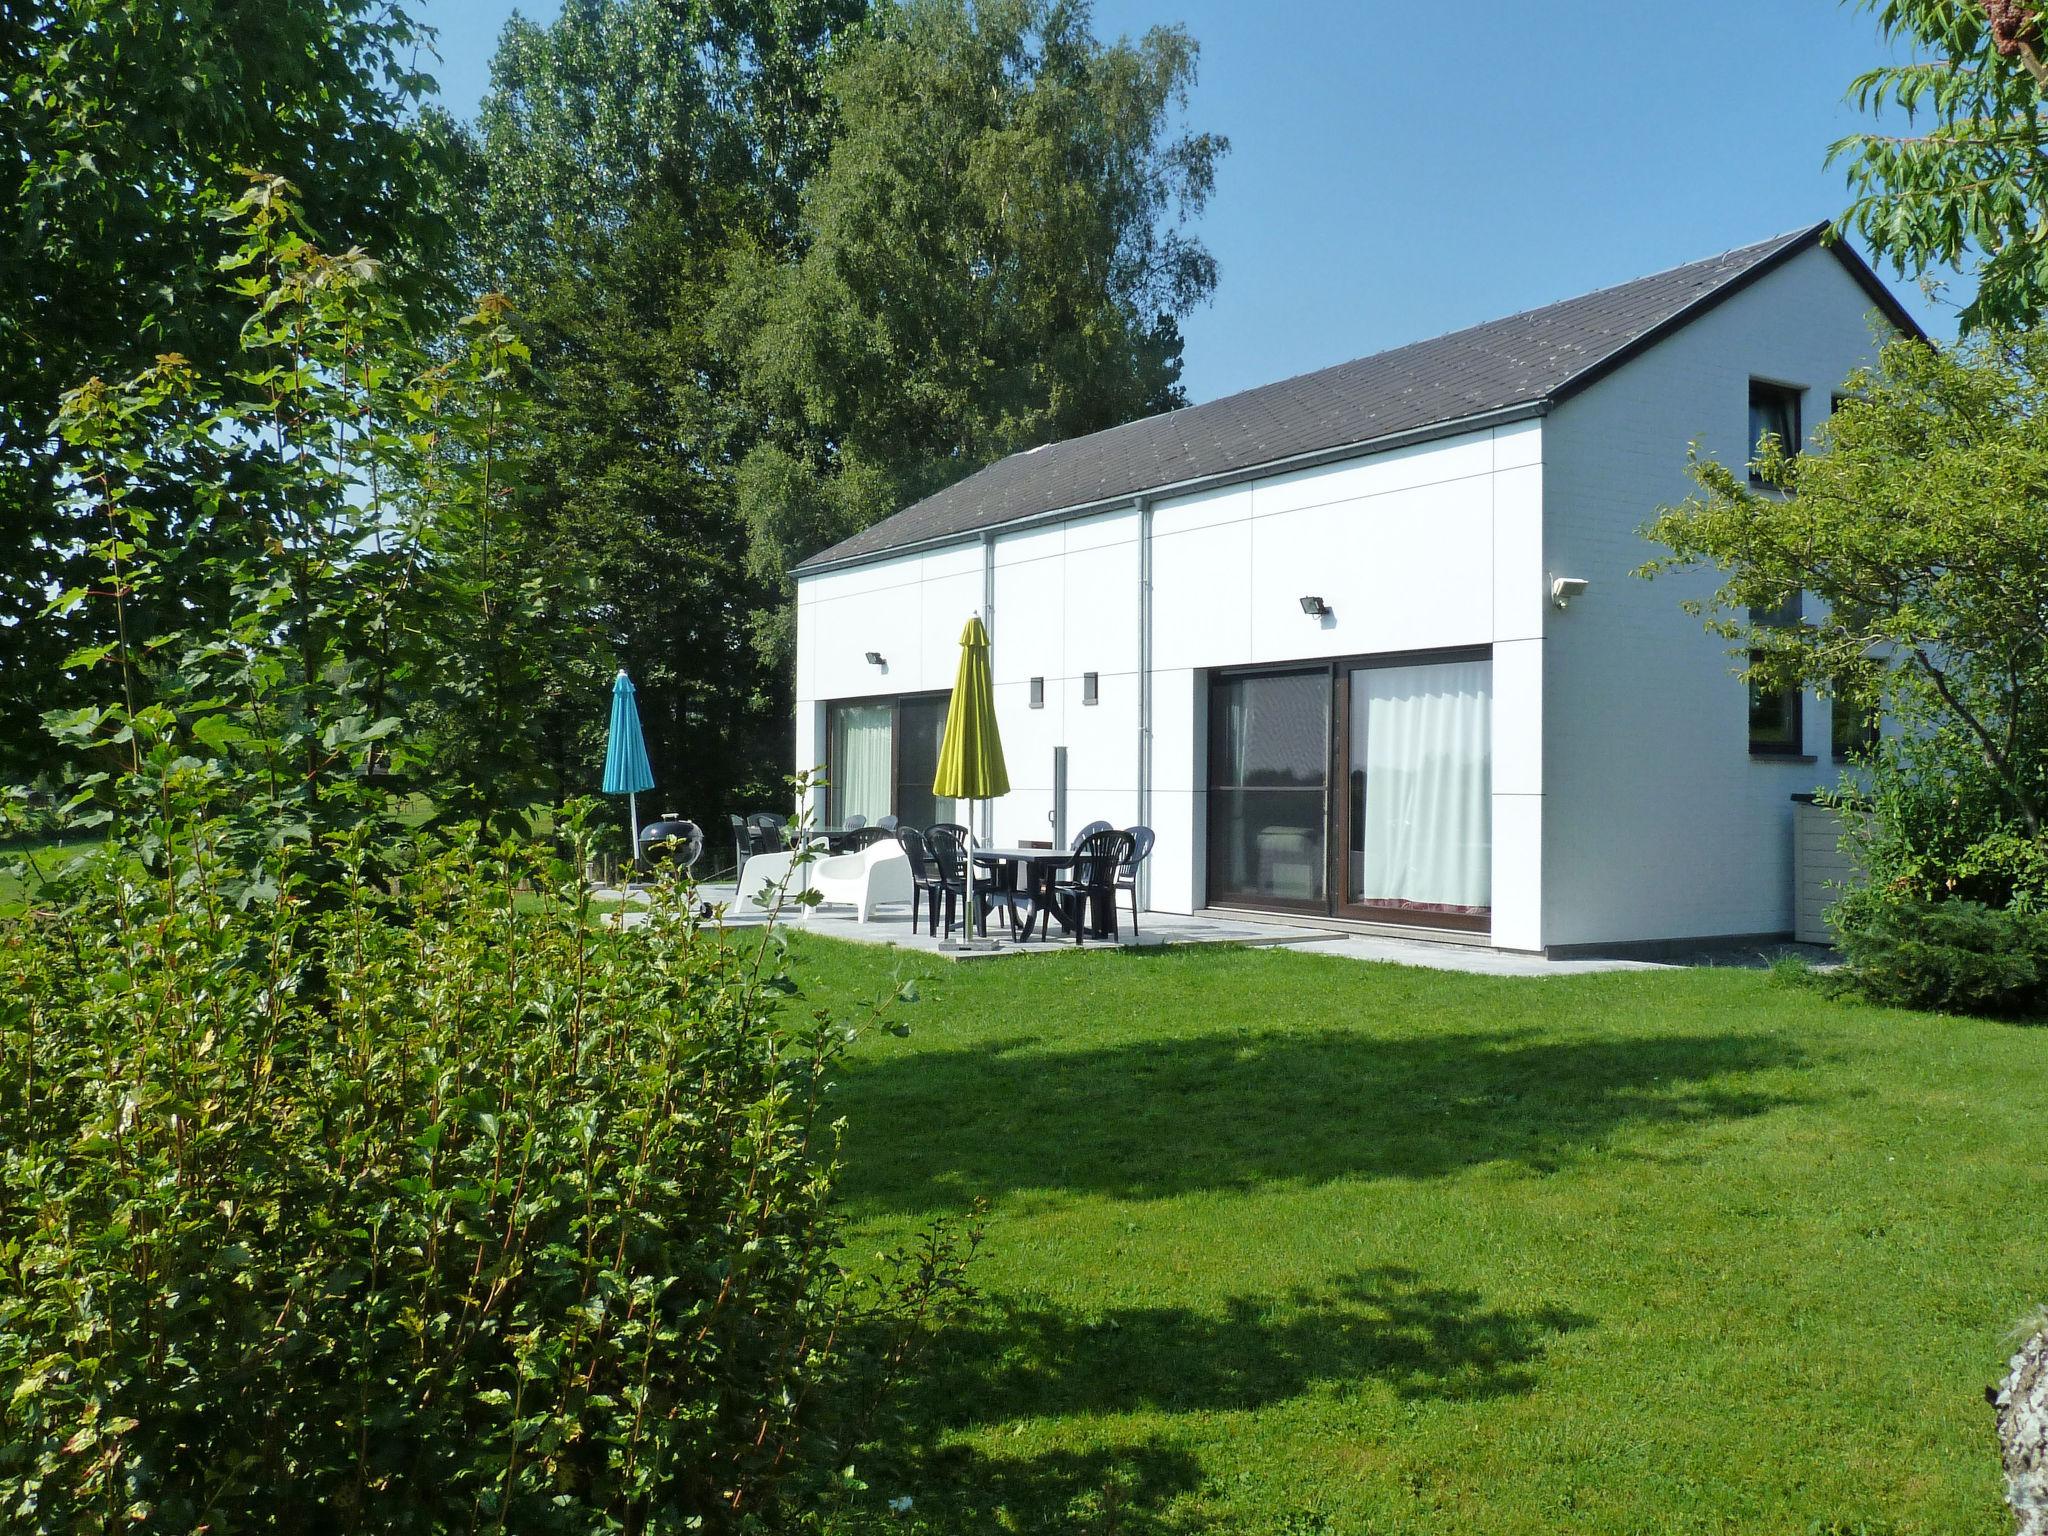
x=892, y=926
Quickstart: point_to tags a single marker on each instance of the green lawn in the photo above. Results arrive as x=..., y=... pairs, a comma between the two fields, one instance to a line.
x=1285, y=1243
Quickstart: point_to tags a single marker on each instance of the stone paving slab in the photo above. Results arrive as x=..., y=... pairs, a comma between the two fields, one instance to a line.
x=892, y=926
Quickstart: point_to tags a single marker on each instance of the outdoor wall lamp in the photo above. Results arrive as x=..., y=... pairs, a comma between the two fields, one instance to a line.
x=1315, y=607
x=1564, y=588
x=874, y=658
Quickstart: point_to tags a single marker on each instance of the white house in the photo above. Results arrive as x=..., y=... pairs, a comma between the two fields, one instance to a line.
x=1366, y=644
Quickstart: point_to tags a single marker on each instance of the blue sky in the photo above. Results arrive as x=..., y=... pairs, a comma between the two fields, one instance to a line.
x=1394, y=175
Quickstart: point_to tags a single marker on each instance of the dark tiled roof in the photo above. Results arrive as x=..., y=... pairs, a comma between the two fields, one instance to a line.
x=1526, y=360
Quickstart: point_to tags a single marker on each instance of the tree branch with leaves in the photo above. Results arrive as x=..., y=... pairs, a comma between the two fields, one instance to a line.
x=1921, y=526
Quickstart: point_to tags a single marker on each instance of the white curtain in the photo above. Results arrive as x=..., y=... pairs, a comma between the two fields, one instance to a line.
x=1424, y=736
x=860, y=761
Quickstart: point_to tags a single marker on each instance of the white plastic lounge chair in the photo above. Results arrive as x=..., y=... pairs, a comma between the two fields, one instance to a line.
x=763, y=872
x=865, y=880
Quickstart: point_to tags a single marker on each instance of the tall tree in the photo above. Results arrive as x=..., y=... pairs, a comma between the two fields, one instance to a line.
x=788, y=262
x=1964, y=190
x=622, y=149
x=994, y=257
x=123, y=123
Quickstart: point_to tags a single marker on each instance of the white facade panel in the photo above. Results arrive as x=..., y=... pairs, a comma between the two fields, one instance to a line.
x=1447, y=459
x=1201, y=607
x=1518, y=873
x=1027, y=632
x=1521, y=587
x=1518, y=717
x=1518, y=445
x=1408, y=570
x=1101, y=611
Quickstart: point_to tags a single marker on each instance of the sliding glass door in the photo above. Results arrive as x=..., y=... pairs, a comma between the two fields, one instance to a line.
x=1417, y=746
x=861, y=759
x=881, y=757
x=1269, y=789
x=921, y=723
x=1361, y=788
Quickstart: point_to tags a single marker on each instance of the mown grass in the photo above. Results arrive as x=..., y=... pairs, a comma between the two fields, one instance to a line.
x=1282, y=1243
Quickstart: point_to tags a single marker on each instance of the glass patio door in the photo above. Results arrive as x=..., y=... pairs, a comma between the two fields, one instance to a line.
x=1417, y=812
x=881, y=758
x=1269, y=789
x=861, y=761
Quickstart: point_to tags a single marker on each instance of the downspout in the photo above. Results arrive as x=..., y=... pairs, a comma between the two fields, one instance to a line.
x=1144, y=891
x=988, y=619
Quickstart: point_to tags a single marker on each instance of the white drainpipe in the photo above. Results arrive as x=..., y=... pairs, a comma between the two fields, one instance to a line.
x=1144, y=892
x=988, y=618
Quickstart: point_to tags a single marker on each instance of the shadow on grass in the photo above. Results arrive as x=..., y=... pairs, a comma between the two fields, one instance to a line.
x=935, y=1130
x=1380, y=1329
x=956, y=1490
x=1382, y=1326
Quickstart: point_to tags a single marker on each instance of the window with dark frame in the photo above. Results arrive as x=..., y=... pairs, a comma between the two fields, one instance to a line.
x=891, y=772
x=1091, y=691
x=1773, y=412
x=1038, y=693
x=1776, y=717
x=1852, y=728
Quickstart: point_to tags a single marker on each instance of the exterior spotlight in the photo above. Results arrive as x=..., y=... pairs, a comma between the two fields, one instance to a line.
x=874, y=658
x=1564, y=588
x=1315, y=607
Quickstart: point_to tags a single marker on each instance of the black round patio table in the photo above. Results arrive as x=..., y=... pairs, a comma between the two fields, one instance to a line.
x=1037, y=866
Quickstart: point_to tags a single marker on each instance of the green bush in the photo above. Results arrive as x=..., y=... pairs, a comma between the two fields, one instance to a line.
x=1956, y=955
x=428, y=1206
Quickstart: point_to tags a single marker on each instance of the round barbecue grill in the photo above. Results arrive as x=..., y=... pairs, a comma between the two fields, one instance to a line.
x=672, y=841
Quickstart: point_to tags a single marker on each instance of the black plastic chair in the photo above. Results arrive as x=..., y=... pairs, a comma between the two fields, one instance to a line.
x=867, y=837
x=769, y=830
x=948, y=845
x=743, y=844
x=952, y=829
x=1142, y=839
x=1087, y=832
x=887, y=823
x=1091, y=890
x=855, y=823
x=924, y=876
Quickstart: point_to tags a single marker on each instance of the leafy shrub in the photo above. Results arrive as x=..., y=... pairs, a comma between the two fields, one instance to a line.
x=1961, y=956
x=1939, y=826
x=429, y=1206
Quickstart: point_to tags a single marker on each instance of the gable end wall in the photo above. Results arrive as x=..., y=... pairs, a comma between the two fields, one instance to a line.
x=1658, y=822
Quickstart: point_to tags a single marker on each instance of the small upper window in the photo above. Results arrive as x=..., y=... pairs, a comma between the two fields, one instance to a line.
x=1773, y=412
x=1090, y=688
x=1775, y=720
x=1852, y=729
x=1038, y=693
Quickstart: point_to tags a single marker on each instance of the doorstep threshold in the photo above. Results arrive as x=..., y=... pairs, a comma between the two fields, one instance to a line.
x=1345, y=927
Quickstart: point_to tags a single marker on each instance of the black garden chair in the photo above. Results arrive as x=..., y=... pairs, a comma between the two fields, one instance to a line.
x=1142, y=839
x=949, y=851
x=925, y=883
x=1087, y=898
